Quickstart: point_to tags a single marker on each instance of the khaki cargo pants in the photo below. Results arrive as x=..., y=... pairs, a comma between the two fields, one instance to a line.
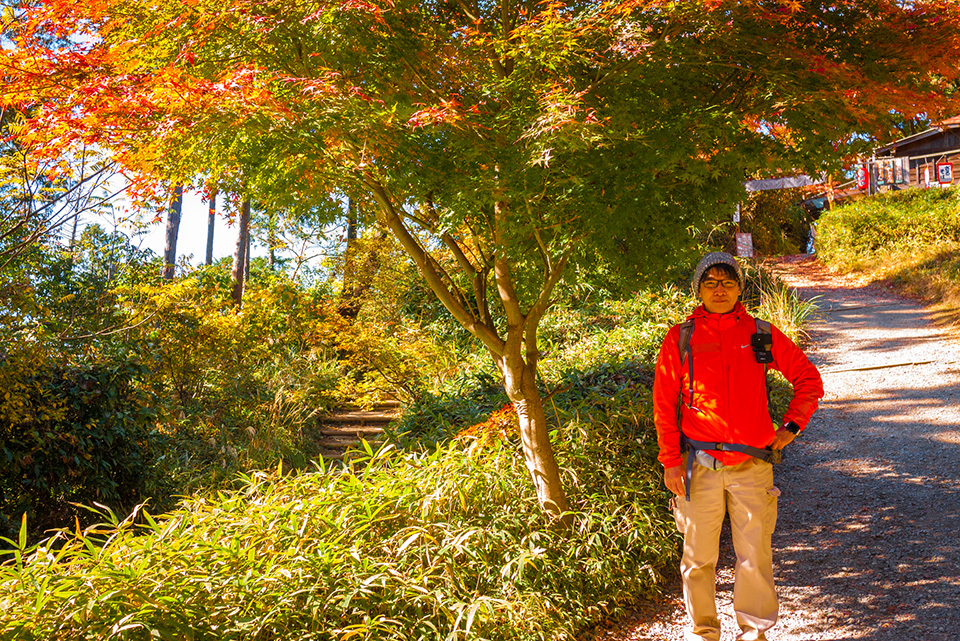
x=747, y=492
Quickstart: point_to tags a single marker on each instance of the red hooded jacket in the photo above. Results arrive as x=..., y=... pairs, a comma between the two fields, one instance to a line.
x=729, y=392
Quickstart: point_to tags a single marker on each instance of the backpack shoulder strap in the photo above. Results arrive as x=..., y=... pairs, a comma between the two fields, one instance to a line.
x=683, y=340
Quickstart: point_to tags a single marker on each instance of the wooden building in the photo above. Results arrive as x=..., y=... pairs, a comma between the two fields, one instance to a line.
x=925, y=159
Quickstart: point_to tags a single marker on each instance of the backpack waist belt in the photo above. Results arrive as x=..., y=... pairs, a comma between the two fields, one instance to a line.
x=768, y=455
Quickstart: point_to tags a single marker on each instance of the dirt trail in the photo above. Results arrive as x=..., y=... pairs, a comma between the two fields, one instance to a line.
x=868, y=540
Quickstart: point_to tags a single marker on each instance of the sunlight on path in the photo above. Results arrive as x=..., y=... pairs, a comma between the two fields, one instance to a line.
x=868, y=540
x=868, y=533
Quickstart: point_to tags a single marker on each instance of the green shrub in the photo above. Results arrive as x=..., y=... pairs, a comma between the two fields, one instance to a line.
x=610, y=331
x=901, y=220
x=235, y=387
x=74, y=435
x=435, y=417
x=908, y=239
x=225, y=389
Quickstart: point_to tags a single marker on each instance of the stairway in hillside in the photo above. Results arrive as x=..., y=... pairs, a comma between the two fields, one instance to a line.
x=343, y=430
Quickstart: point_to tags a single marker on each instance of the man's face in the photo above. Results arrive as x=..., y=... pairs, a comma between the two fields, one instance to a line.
x=719, y=291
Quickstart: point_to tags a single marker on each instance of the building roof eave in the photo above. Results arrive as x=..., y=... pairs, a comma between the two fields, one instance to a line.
x=933, y=131
x=909, y=139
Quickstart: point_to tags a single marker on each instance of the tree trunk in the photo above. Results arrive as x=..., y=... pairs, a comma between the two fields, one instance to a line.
x=520, y=385
x=240, y=256
x=173, y=230
x=273, y=241
x=211, y=223
x=73, y=231
x=73, y=240
x=351, y=289
x=517, y=356
x=246, y=255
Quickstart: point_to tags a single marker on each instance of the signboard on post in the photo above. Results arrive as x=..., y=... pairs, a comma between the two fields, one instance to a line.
x=863, y=178
x=745, y=245
x=945, y=173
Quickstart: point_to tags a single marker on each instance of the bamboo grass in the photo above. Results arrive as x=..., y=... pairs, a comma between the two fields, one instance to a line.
x=442, y=545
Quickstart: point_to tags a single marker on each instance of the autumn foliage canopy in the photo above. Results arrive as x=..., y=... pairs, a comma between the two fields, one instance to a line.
x=501, y=143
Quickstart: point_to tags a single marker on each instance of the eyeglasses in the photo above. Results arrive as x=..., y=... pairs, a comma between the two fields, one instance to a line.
x=713, y=284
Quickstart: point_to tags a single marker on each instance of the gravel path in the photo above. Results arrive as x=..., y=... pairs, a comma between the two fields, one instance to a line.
x=868, y=540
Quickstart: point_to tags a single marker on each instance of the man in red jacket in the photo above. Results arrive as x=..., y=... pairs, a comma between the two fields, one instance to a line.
x=717, y=443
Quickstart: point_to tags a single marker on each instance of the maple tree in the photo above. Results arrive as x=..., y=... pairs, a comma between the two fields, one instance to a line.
x=39, y=197
x=37, y=200
x=499, y=142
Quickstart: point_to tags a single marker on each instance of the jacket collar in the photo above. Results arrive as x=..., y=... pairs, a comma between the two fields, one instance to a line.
x=729, y=319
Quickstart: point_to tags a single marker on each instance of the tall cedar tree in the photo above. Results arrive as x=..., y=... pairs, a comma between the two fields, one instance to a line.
x=499, y=142
x=174, y=210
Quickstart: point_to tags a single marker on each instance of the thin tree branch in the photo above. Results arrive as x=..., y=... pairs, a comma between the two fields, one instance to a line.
x=502, y=273
x=501, y=71
x=458, y=254
x=541, y=246
x=543, y=303
x=478, y=276
x=115, y=330
x=454, y=247
x=428, y=268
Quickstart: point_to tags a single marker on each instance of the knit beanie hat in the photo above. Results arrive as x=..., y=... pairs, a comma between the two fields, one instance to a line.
x=712, y=260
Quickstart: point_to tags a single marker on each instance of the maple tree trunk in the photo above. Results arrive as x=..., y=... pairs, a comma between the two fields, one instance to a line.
x=272, y=222
x=173, y=230
x=521, y=388
x=211, y=223
x=519, y=373
x=240, y=256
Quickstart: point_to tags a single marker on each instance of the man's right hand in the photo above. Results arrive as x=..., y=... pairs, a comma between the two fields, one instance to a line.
x=675, y=479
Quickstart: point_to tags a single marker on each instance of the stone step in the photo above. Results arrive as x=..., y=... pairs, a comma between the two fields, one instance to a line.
x=358, y=418
x=340, y=450
x=346, y=440
x=344, y=429
x=341, y=455
x=355, y=431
